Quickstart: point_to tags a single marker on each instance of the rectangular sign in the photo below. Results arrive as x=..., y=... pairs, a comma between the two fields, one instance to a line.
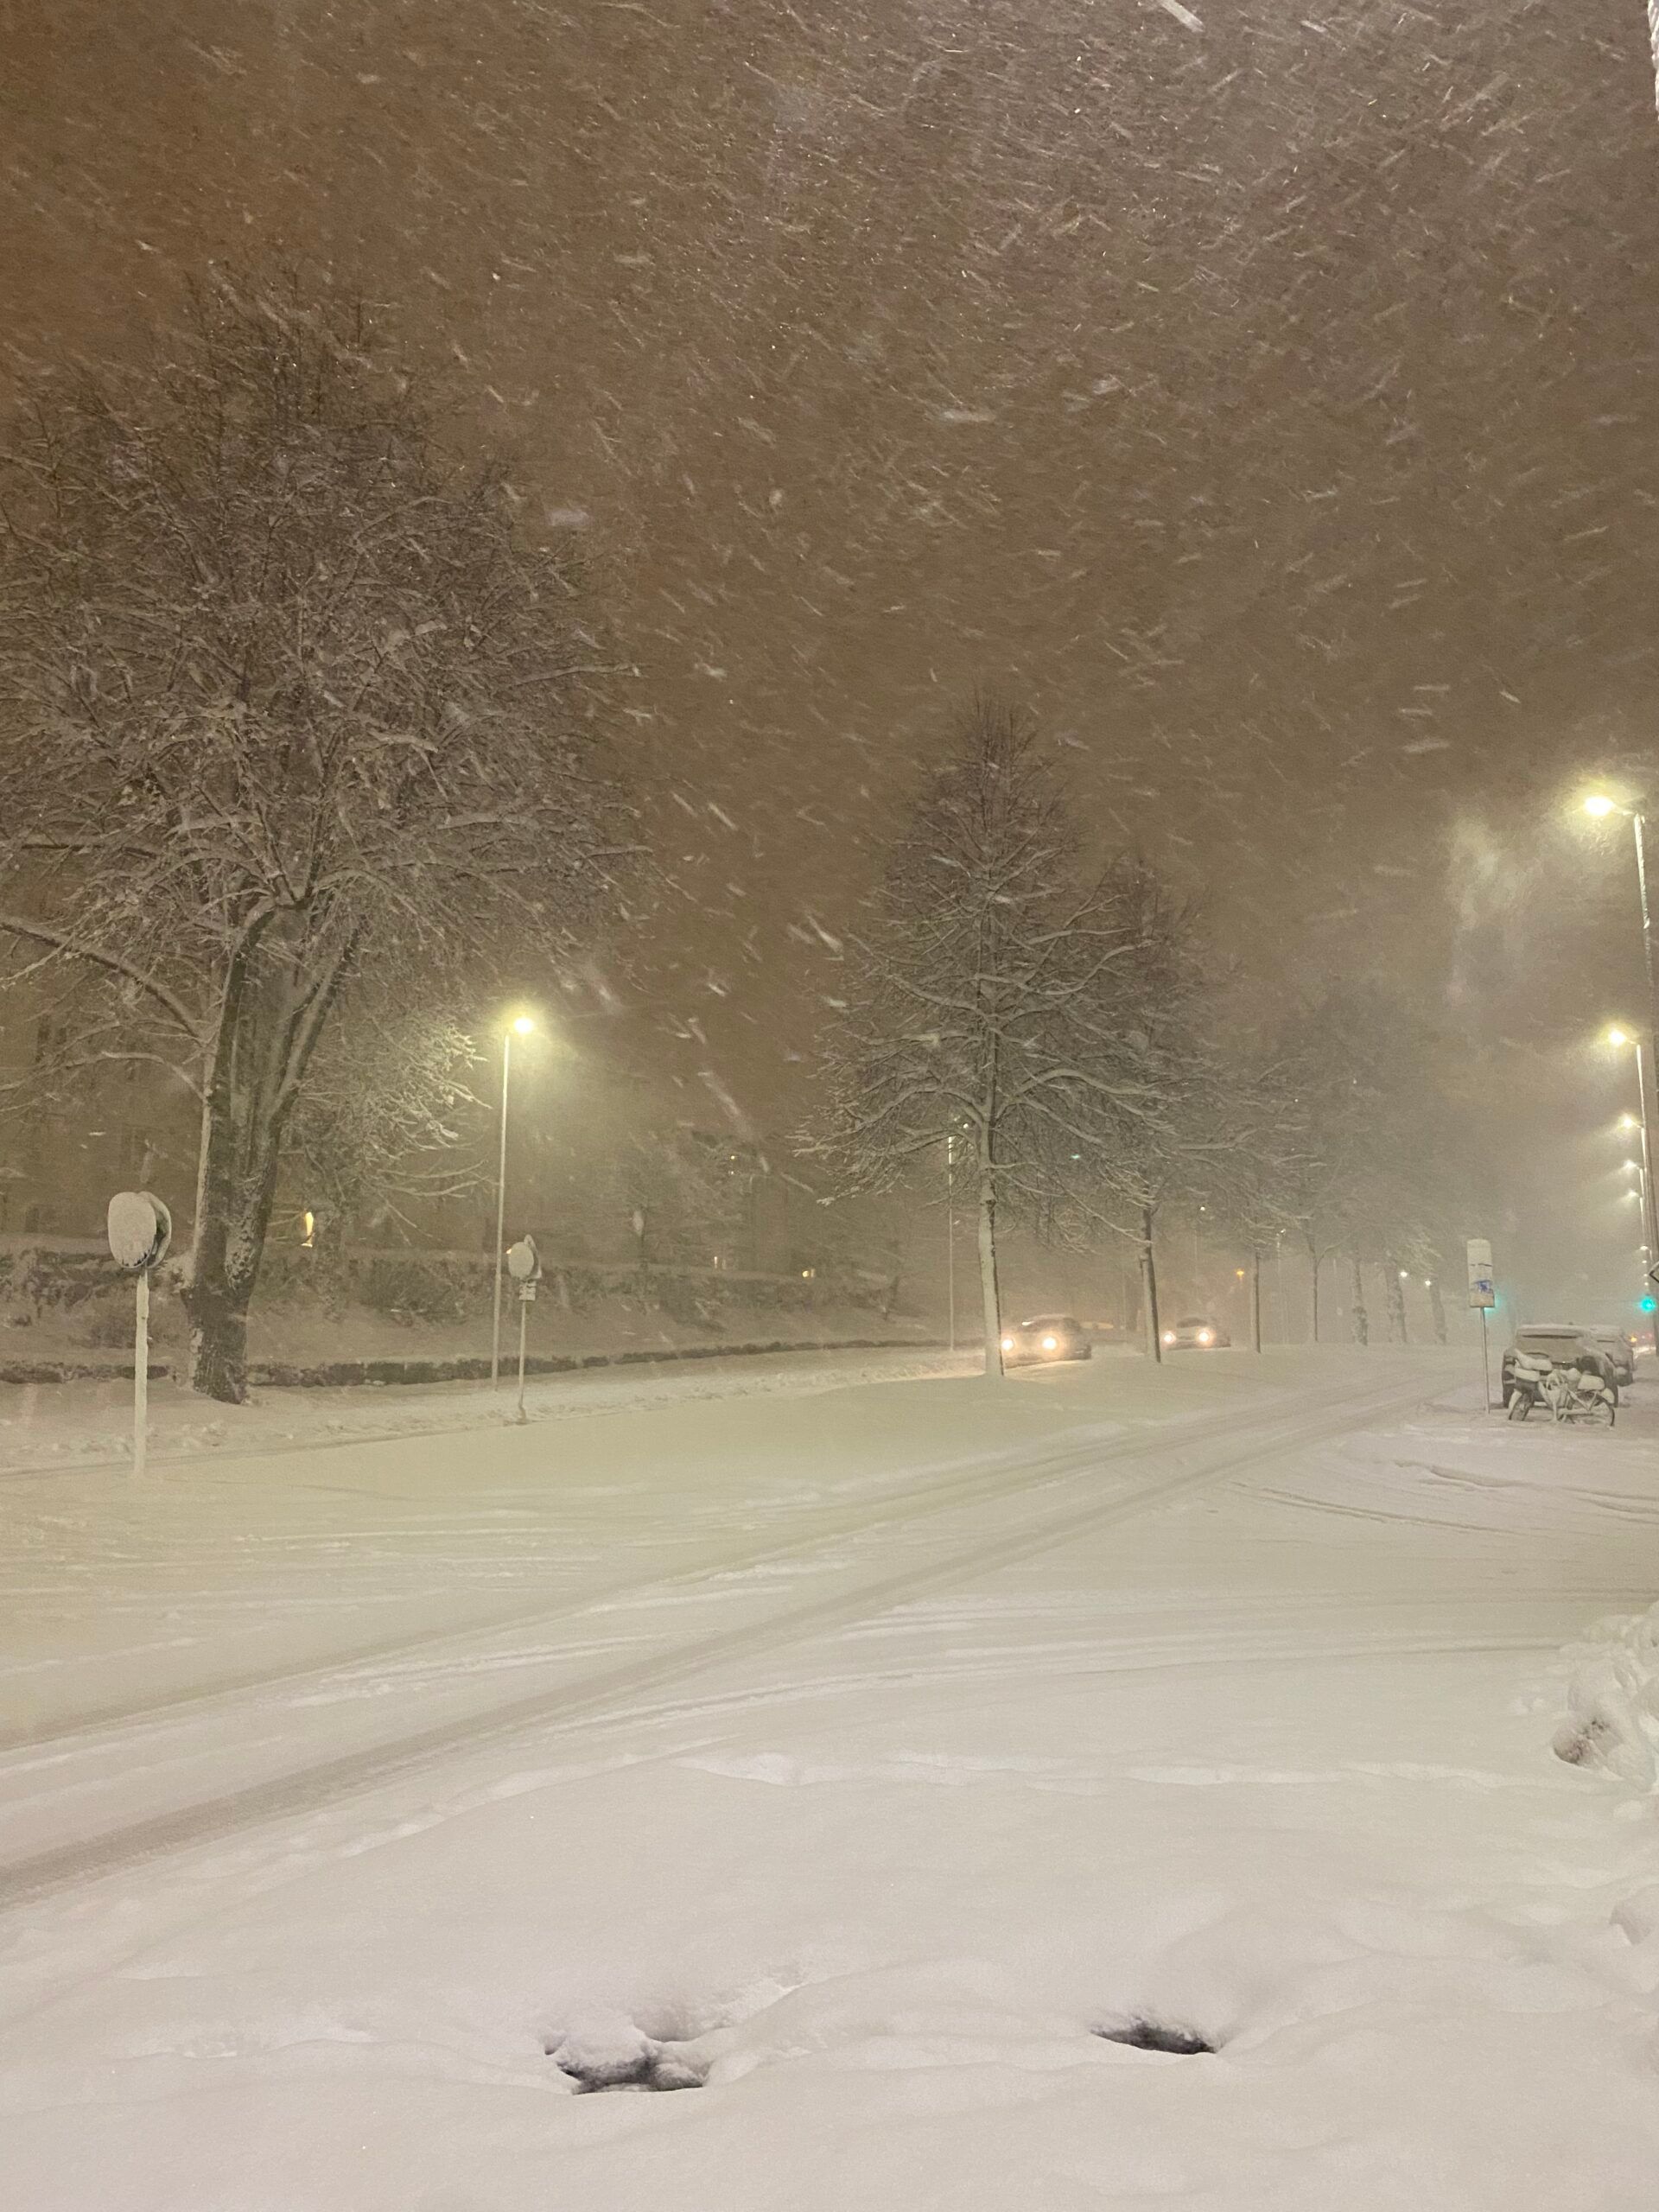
x=1482, y=1290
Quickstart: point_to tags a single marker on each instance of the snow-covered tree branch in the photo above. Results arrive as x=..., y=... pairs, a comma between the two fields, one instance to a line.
x=1002, y=998
x=296, y=710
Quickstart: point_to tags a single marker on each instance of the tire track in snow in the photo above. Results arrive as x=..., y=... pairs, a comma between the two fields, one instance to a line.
x=958, y=1483
x=308, y=1788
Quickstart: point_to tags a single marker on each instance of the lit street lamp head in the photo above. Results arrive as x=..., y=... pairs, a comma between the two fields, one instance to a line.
x=1616, y=1036
x=1599, y=804
x=522, y=1025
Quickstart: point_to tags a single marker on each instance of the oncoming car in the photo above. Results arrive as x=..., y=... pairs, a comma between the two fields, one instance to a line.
x=1196, y=1335
x=1050, y=1337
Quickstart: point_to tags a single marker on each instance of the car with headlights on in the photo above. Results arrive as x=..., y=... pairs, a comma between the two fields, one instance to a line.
x=1051, y=1337
x=1195, y=1334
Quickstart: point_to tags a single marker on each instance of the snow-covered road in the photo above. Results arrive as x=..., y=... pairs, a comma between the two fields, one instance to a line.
x=870, y=1749
x=148, y=1775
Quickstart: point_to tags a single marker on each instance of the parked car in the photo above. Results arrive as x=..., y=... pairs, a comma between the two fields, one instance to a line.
x=1620, y=1349
x=1050, y=1337
x=1565, y=1343
x=1196, y=1335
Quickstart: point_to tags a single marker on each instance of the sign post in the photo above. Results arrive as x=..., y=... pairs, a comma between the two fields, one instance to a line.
x=140, y=1231
x=524, y=1266
x=1482, y=1296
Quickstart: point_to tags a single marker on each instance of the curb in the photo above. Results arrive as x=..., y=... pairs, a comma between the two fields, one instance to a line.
x=281, y=1375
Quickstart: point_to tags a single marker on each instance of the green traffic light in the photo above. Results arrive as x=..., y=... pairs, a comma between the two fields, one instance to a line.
x=1647, y=1304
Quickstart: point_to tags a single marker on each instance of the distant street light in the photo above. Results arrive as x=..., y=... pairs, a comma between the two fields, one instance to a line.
x=1618, y=1036
x=520, y=1026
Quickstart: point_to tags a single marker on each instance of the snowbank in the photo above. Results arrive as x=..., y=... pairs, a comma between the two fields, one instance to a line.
x=1612, y=1698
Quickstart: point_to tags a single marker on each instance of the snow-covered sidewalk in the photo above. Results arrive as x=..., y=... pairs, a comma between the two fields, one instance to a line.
x=863, y=1756
x=88, y=1422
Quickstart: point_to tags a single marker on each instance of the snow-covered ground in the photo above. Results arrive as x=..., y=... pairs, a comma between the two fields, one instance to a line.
x=89, y=1422
x=860, y=1754
x=305, y=1332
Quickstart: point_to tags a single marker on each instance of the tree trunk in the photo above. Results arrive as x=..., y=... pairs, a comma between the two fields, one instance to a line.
x=1149, y=1288
x=1393, y=1291
x=1436, y=1309
x=275, y=1000
x=1256, y=1299
x=236, y=1182
x=989, y=1293
x=989, y=1123
x=1312, y=1292
x=1362, y=1318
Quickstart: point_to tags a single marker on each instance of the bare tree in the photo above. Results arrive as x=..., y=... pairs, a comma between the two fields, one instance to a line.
x=1325, y=1120
x=387, y=1118
x=998, y=992
x=295, y=710
x=677, y=1191
x=1167, y=1148
x=1255, y=1176
x=1374, y=1159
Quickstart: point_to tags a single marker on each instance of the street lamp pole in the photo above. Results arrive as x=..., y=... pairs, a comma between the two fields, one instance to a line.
x=951, y=1229
x=520, y=1027
x=1599, y=806
x=1649, y=1205
x=1639, y=829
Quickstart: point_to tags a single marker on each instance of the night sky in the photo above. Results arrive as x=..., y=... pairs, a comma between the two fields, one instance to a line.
x=1268, y=399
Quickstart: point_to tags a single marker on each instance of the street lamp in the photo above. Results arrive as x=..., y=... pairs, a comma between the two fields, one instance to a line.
x=1598, y=805
x=520, y=1026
